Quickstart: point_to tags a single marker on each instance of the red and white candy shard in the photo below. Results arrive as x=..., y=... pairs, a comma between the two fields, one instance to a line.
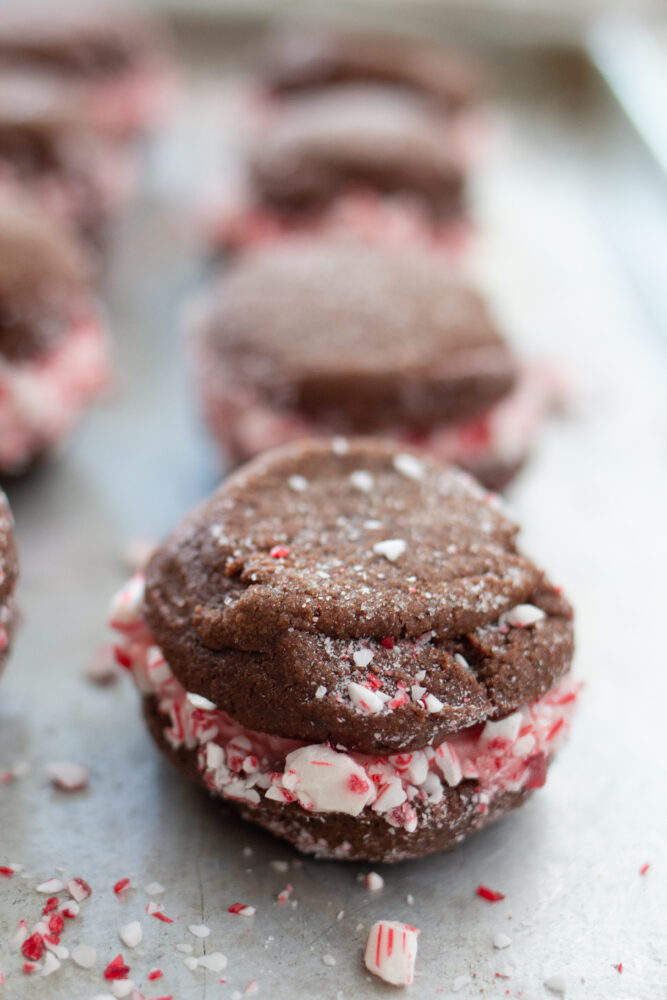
x=391, y=951
x=68, y=777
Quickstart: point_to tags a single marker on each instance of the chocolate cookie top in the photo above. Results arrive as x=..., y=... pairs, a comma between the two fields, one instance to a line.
x=360, y=338
x=356, y=137
x=296, y=61
x=83, y=42
x=44, y=281
x=326, y=580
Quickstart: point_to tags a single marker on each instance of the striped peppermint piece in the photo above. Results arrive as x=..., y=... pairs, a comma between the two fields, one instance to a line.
x=391, y=951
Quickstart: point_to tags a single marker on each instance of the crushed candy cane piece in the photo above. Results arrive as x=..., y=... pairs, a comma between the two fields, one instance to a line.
x=490, y=895
x=241, y=910
x=215, y=962
x=51, y=886
x=84, y=956
x=116, y=969
x=364, y=698
x=374, y=882
x=522, y=616
x=391, y=951
x=131, y=934
x=328, y=960
x=409, y=466
x=199, y=930
x=556, y=983
x=390, y=548
x=501, y=940
x=153, y=889
x=78, y=889
x=122, y=885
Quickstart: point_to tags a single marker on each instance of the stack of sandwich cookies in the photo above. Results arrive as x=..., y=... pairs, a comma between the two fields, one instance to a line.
x=353, y=158
x=8, y=575
x=114, y=63
x=337, y=338
x=49, y=154
x=345, y=643
x=53, y=345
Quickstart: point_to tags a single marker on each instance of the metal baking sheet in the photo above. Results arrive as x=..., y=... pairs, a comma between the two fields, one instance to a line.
x=592, y=503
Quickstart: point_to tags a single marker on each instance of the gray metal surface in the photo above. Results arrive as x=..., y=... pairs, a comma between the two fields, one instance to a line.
x=593, y=505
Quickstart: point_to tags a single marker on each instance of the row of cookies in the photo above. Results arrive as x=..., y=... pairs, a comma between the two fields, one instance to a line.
x=340, y=309
x=74, y=92
x=344, y=642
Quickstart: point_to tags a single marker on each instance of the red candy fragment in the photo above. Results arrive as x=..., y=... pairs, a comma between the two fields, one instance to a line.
x=537, y=770
x=33, y=947
x=644, y=868
x=121, y=885
x=116, y=969
x=50, y=905
x=620, y=967
x=155, y=974
x=279, y=552
x=489, y=894
x=388, y=643
x=6, y=872
x=56, y=923
x=79, y=889
x=162, y=916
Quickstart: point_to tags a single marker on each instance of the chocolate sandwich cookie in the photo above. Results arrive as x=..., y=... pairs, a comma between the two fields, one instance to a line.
x=297, y=61
x=116, y=61
x=367, y=158
x=346, y=643
x=8, y=576
x=48, y=153
x=338, y=338
x=53, y=347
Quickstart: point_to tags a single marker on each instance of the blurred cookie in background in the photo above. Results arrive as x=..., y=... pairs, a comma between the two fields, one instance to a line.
x=8, y=577
x=53, y=344
x=359, y=157
x=118, y=61
x=49, y=155
x=323, y=338
x=298, y=60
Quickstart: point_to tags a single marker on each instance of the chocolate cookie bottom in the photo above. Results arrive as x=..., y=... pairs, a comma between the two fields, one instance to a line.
x=367, y=837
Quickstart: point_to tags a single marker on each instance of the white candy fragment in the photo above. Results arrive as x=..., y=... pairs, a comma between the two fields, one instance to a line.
x=297, y=483
x=51, y=886
x=433, y=704
x=390, y=548
x=126, y=604
x=501, y=940
x=447, y=760
x=374, y=882
x=154, y=888
x=78, y=889
x=131, y=934
x=68, y=777
x=364, y=699
x=522, y=616
x=199, y=930
x=362, y=480
x=84, y=956
x=122, y=988
x=328, y=960
x=409, y=466
x=340, y=446
x=391, y=951
x=51, y=964
x=557, y=983
x=362, y=657
x=320, y=692
x=504, y=729
x=215, y=962
x=327, y=781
